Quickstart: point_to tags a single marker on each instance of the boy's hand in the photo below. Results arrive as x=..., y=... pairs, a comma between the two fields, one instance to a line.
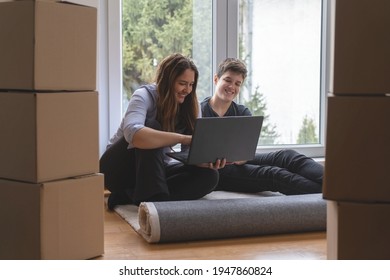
x=220, y=163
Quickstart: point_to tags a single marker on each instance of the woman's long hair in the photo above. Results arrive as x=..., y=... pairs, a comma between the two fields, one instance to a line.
x=169, y=111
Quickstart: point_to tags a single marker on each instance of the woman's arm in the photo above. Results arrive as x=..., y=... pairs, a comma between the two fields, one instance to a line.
x=149, y=138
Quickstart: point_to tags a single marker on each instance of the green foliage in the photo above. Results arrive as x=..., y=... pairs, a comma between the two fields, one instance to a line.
x=152, y=30
x=258, y=106
x=307, y=133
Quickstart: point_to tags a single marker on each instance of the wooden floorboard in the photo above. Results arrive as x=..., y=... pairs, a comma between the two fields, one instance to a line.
x=123, y=243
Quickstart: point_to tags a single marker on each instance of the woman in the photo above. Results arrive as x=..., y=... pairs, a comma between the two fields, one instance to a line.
x=158, y=117
x=284, y=171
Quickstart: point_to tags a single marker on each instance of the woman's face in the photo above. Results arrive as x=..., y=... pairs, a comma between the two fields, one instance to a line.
x=183, y=85
x=228, y=85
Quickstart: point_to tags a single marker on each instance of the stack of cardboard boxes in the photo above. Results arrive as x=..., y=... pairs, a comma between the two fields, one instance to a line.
x=51, y=194
x=357, y=168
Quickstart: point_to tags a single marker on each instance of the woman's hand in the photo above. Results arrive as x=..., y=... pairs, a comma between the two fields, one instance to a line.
x=185, y=139
x=149, y=138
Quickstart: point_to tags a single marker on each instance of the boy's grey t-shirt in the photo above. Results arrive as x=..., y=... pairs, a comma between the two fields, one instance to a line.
x=234, y=109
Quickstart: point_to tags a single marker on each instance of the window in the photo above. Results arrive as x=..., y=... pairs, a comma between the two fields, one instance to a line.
x=153, y=29
x=281, y=42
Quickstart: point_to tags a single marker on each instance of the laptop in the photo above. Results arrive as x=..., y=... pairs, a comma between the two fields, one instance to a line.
x=233, y=138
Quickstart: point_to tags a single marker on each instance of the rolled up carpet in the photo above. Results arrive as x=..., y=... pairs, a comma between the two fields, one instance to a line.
x=227, y=218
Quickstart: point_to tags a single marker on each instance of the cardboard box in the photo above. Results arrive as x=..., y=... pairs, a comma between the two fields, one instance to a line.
x=359, y=45
x=48, y=136
x=54, y=220
x=47, y=46
x=90, y=3
x=358, y=231
x=357, y=152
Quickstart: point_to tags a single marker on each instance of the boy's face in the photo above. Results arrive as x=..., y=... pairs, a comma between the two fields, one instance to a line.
x=228, y=85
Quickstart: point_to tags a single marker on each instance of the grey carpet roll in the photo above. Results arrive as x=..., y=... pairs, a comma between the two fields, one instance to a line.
x=227, y=218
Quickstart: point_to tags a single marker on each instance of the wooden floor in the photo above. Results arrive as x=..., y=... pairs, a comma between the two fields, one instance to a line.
x=122, y=242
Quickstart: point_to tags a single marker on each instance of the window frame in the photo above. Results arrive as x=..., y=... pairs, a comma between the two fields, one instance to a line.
x=225, y=44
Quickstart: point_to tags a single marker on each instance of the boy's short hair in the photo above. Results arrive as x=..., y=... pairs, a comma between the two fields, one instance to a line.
x=232, y=64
